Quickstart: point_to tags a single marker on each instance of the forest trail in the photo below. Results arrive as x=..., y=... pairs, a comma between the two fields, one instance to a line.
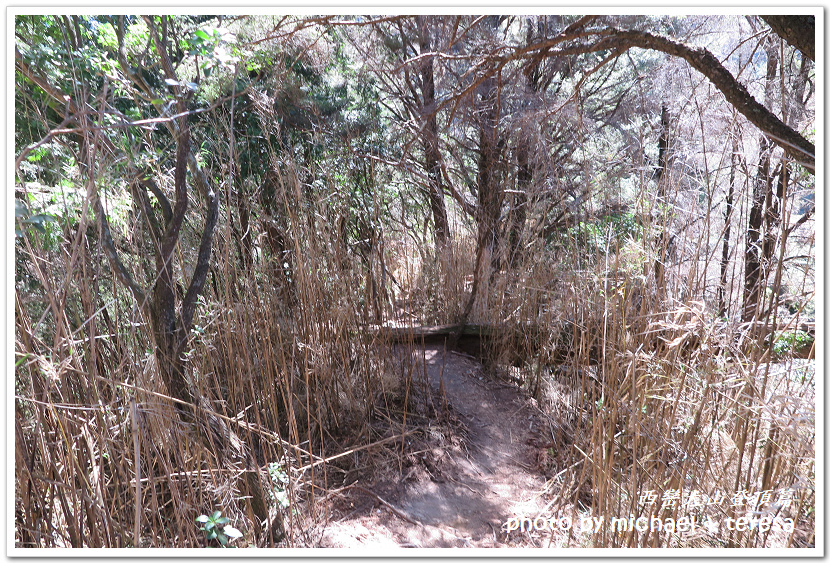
x=458, y=494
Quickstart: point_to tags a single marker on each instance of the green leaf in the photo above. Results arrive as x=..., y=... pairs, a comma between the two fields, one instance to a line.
x=223, y=520
x=201, y=34
x=211, y=535
x=19, y=362
x=216, y=515
x=41, y=218
x=37, y=154
x=210, y=525
x=20, y=209
x=105, y=35
x=223, y=539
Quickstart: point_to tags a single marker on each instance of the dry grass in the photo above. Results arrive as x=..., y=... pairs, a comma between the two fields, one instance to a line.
x=102, y=459
x=648, y=388
x=655, y=392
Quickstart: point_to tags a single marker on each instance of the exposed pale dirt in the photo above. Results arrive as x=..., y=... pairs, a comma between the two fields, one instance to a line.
x=462, y=491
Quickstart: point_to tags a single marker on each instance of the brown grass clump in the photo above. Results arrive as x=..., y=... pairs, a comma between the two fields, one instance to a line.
x=657, y=394
x=102, y=458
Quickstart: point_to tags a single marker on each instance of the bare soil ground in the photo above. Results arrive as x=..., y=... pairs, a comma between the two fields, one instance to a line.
x=462, y=488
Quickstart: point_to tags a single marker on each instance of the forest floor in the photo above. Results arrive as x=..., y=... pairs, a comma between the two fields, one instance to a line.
x=460, y=490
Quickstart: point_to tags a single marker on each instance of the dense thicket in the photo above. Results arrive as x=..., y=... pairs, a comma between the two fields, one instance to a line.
x=214, y=213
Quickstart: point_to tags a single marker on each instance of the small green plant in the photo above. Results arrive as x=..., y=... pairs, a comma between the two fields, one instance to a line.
x=216, y=528
x=596, y=235
x=792, y=342
x=279, y=479
x=26, y=219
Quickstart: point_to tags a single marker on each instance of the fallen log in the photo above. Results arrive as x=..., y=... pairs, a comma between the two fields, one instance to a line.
x=436, y=333
x=472, y=338
x=516, y=344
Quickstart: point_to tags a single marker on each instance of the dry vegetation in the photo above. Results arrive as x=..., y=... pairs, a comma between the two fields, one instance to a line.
x=647, y=393
x=610, y=320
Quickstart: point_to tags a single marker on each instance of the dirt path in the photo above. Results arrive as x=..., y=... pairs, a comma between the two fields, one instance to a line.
x=461, y=494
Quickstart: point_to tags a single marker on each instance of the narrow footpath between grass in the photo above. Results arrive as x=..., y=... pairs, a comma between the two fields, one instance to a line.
x=465, y=492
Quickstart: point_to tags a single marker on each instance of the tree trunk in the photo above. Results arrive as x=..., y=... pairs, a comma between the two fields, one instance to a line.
x=490, y=192
x=727, y=217
x=662, y=203
x=171, y=327
x=754, y=267
x=752, y=254
x=429, y=138
x=518, y=209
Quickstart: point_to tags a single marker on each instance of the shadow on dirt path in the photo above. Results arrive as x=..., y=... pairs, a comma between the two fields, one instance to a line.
x=464, y=499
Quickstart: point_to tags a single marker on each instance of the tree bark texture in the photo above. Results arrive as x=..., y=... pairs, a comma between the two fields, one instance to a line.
x=662, y=183
x=429, y=137
x=798, y=31
x=754, y=267
x=518, y=208
x=727, y=230
x=490, y=192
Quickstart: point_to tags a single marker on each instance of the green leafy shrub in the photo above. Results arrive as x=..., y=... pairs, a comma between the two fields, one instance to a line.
x=597, y=235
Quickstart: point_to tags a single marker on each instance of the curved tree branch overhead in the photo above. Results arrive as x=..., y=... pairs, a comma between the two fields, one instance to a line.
x=735, y=93
x=706, y=63
x=798, y=31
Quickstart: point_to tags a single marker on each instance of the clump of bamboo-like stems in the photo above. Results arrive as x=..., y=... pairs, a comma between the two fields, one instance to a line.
x=654, y=390
x=276, y=356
